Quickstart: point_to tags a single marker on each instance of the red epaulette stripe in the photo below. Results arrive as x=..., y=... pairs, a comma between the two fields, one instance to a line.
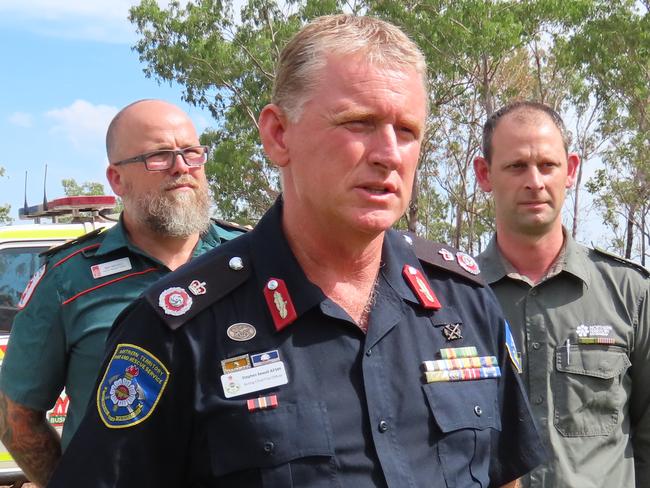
x=148, y=270
x=92, y=246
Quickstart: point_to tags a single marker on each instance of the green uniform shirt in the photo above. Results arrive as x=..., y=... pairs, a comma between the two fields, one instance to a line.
x=584, y=336
x=57, y=339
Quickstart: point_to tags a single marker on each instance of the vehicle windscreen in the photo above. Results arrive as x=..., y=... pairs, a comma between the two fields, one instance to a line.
x=17, y=265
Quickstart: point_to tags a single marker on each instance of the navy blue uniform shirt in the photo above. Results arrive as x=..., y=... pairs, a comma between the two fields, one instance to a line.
x=187, y=397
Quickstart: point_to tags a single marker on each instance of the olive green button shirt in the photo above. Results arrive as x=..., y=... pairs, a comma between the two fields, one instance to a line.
x=583, y=333
x=57, y=339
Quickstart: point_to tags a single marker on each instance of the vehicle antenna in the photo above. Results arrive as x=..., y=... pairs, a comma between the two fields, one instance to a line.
x=44, y=185
x=25, y=202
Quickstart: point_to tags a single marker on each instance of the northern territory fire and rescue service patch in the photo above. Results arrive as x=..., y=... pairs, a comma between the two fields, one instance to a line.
x=133, y=383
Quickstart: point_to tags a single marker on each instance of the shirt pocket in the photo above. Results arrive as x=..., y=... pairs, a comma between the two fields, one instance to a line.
x=587, y=389
x=291, y=445
x=467, y=414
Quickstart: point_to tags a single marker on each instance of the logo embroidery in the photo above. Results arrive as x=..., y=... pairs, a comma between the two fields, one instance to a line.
x=133, y=383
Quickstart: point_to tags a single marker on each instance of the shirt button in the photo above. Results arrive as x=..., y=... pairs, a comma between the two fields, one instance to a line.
x=269, y=447
x=383, y=426
x=533, y=292
x=478, y=410
x=539, y=400
x=535, y=345
x=369, y=352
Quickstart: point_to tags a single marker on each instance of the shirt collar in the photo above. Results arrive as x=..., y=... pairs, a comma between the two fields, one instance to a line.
x=571, y=259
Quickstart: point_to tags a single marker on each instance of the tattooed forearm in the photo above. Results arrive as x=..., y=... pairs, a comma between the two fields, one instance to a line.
x=31, y=440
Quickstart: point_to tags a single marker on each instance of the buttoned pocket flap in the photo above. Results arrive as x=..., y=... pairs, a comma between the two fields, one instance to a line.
x=266, y=438
x=464, y=404
x=598, y=361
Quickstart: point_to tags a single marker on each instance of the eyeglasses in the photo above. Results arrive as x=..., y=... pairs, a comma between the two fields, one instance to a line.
x=164, y=159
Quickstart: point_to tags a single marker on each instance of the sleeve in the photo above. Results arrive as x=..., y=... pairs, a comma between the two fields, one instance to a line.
x=640, y=397
x=518, y=447
x=34, y=367
x=138, y=428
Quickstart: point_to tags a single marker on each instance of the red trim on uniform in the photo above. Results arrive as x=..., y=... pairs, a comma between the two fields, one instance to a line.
x=421, y=287
x=284, y=303
x=92, y=246
x=148, y=270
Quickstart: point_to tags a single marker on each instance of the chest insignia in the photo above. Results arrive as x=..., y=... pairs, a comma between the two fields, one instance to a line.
x=421, y=287
x=235, y=364
x=452, y=332
x=262, y=403
x=241, y=331
x=467, y=262
x=279, y=302
x=460, y=364
x=175, y=301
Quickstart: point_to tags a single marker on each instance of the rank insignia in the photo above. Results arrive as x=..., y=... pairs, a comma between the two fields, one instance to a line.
x=446, y=254
x=241, y=331
x=279, y=302
x=262, y=403
x=452, y=332
x=31, y=286
x=421, y=287
x=512, y=349
x=132, y=384
x=467, y=262
x=197, y=287
x=175, y=301
x=235, y=364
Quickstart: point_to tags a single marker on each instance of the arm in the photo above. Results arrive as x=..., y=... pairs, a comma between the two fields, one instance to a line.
x=31, y=440
x=640, y=395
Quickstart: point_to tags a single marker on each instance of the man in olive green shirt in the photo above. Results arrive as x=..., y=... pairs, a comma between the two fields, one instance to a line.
x=580, y=317
x=156, y=164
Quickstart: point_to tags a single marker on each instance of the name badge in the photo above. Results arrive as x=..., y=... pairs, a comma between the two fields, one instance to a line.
x=250, y=380
x=110, y=268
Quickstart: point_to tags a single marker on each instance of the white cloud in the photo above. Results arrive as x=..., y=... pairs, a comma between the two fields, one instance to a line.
x=82, y=123
x=96, y=20
x=21, y=119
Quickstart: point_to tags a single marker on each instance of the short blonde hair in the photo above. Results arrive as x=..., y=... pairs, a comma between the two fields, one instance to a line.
x=380, y=43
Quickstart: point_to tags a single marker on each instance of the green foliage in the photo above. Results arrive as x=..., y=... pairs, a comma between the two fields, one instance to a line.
x=4, y=209
x=585, y=58
x=72, y=189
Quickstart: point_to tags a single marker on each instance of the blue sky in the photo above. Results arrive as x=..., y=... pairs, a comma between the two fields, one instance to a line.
x=67, y=68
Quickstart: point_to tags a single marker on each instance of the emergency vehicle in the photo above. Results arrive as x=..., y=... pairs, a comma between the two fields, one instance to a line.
x=20, y=249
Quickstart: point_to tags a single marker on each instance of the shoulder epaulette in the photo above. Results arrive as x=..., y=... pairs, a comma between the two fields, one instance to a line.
x=232, y=225
x=446, y=257
x=183, y=294
x=619, y=259
x=66, y=245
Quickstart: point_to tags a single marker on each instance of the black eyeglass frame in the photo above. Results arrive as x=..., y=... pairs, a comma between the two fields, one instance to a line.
x=142, y=158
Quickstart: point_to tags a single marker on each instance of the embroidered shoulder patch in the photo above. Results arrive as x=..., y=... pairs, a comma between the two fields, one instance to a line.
x=31, y=286
x=512, y=349
x=132, y=384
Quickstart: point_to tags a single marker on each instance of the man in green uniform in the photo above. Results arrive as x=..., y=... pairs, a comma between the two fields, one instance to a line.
x=57, y=340
x=580, y=317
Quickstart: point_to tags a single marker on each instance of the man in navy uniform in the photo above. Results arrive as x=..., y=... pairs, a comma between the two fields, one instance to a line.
x=322, y=349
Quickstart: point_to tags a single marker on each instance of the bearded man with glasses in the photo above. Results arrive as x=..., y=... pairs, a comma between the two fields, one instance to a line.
x=156, y=165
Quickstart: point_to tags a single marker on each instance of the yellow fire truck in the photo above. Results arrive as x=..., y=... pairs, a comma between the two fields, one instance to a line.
x=20, y=248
